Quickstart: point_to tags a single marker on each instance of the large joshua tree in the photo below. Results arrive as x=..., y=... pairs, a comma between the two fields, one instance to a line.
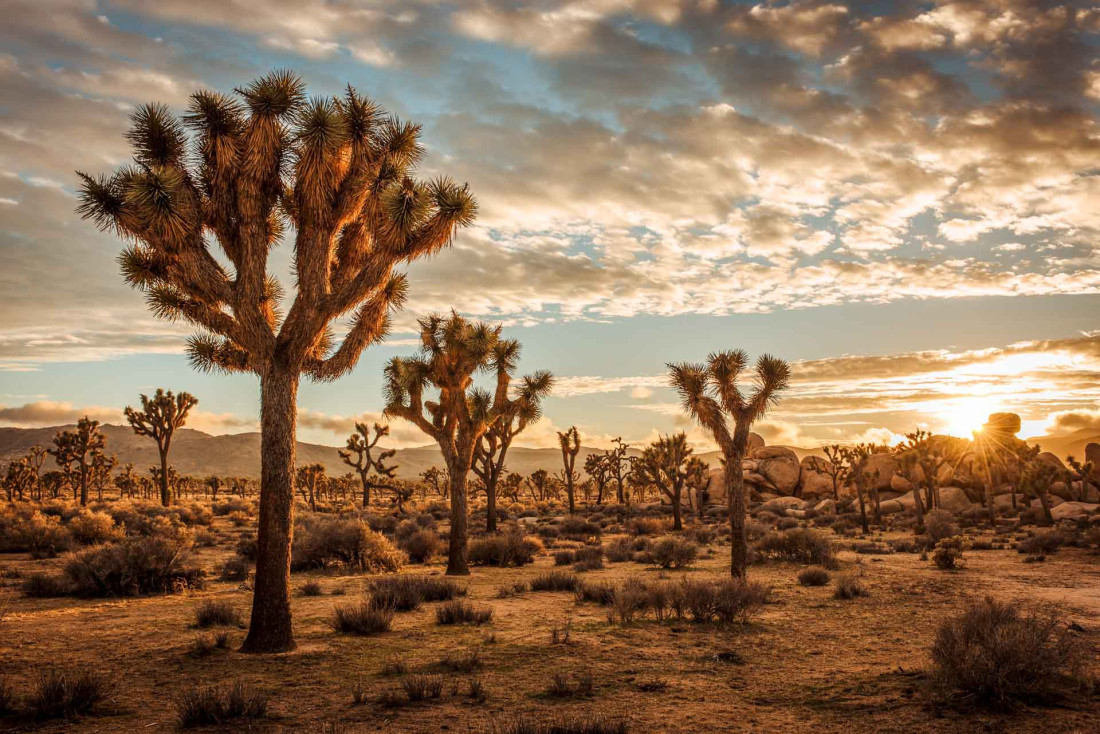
x=76, y=452
x=158, y=419
x=338, y=173
x=664, y=464
x=710, y=395
x=570, y=443
x=453, y=350
x=360, y=445
x=515, y=409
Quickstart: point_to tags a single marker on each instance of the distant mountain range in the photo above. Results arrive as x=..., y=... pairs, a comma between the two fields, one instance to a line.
x=200, y=454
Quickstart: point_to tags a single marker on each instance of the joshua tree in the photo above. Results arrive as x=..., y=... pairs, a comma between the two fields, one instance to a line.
x=125, y=481
x=598, y=468
x=75, y=451
x=158, y=419
x=539, y=483
x=509, y=485
x=570, y=443
x=361, y=445
x=710, y=395
x=100, y=475
x=1036, y=478
x=835, y=468
x=698, y=480
x=453, y=350
x=214, y=484
x=908, y=461
x=19, y=480
x=335, y=171
x=514, y=413
x=619, y=465
x=311, y=480
x=1081, y=473
x=160, y=477
x=664, y=464
x=438, y=480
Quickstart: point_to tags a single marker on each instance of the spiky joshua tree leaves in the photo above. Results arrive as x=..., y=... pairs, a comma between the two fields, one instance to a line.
x=711, y=396
x=516, y=409
x=158, y=419
x=453, y=350
x=338, y=171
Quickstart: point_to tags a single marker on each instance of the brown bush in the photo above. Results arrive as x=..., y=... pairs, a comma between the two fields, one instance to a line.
x=510, y=548
x=331, y=542
x=214, y=705
x=135, y=566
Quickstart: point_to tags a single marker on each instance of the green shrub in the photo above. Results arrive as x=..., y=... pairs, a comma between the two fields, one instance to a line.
x=133, y=567
x=673, y=552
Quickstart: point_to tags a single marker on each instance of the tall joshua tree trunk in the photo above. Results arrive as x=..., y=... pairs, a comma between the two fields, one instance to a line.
x=735, y=501
x=271, y=629
x=458, y=467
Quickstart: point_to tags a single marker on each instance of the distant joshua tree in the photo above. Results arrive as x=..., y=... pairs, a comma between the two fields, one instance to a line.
x=515, y=411
x=335, y=171
x=311, y=480
x=75, y=452
x=361, y=445
x=539, y=484
x=697, y=482
x=570, y=443
x=1037, y=477
x=438, y=480
x=664, y=464
x=836, y=468
x=158, y=419
x=1082, y=473
x=710, y=395
x=619, y=465
x=453, y=350
x=598, y=468
x=100, y=476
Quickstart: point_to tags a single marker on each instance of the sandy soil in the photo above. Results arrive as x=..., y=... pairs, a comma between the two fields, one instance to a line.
x=809, y=662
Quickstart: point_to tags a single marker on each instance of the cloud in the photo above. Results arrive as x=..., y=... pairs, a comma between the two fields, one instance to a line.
x=338, y=427
x=51, y=413
x=1071, y=421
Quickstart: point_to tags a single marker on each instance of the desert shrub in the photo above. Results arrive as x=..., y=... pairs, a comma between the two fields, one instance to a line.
x=800, y=545
x=738, y=601
x=786, y=523
x=646, y=526
x=239, y=519
x=701, y=534
x=563, y=724
x=576, y=686
x=872, y=548
x=579, y=528
x=394, y=665
x=236, y=569
x=629, y=600
x=940, y=524
x=1001, y=655
x=311, y=588
x=813, y=576
x=563, y=557
x=90, y=528
x=909, y=545
x=673, y=552
x=507, y=591
x=213, y=705
x=232, y=505
x=45, y=586
x=754, y=530
x=135, y=566
x=246, y=548
x=848, y=586
x=404, y=593
x=948, y=554
x=329, y=542
x=555, y=581
x=42, y=536
x=58, y=693
x=619, y=550
x=421, y=687
x=460, y=612
x=600, y=592
x=510, y=548
x=1041, y=543
x=461, y=662
x=361, y=618
x=421, y=546
x=212, y=613
x=588, y=559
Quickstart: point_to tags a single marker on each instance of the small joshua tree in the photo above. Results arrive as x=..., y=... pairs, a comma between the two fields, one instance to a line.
x=75, y=451
x=361, y=445
x=856, y=459
x=515, y=411
x=100, y=475
x=664, y=464
x=570, y=443
x=1036, y=479
x=310, y=480
x=836, y=468
x=338, y=173
x=158, y=419
x=1082, y=473
x=619, y=465
x=711, y=396
x=539, y=485
x=598, y=468
x=453, y=350
x=214, y=484
x=697, y=483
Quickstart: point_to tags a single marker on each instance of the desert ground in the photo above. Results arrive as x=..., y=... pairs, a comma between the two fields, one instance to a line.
x=805, y=661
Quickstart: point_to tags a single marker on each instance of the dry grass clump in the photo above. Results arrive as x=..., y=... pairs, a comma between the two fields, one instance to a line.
x=460, y=612
x=622, y=550
x=1002, y=655
x=61, y=694
x=404, y=593
x=45, y=586
x=361, y=618
x=350, y=544
x=413, y=689
x=213, y=705
x=673, y=552
x=136, y=566
x=728, y=601
x=555, y=581
x=577, y=528
x=564, y=724
x=940, y=524
x=848, y=586
x=600, y=592
x=510, y=548
x=212, y=613
x=799, y=545
x=1041, y=543
x=579, y=685
x=311, y=588
x=461, y=662
x=507, y=591
x=421, y=546
x=813, y=576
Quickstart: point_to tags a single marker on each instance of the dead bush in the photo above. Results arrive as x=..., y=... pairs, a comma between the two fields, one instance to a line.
x=214, y=705
x=555, y=581
x=404, y=593
x=813, y=576
x=61, y=694
x=460, y=612
x=673, y=552
x=361, y=618
x=848, y=586
x=421, y=546
x=799, y=545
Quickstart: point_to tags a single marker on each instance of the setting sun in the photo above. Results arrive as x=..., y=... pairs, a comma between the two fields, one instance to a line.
x=965, y=416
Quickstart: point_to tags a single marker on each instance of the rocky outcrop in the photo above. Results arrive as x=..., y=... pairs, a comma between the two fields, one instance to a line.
x=816, y=480
x=773, y=469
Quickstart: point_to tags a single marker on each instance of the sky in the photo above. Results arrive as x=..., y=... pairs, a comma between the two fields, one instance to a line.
x=900, y=198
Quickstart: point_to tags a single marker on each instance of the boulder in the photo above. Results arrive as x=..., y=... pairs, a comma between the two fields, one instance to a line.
x=890, y=507
x=815, y=481
x=900, y=484
x=1092, y=453
x=825, y=507
x=780, y=505
x=880, y=470
x=1073, y=511
x=1051, y=459
x=756, y=441
x=773, y=468
x=528, y=521
x=954, y=499
x=1062, y=490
